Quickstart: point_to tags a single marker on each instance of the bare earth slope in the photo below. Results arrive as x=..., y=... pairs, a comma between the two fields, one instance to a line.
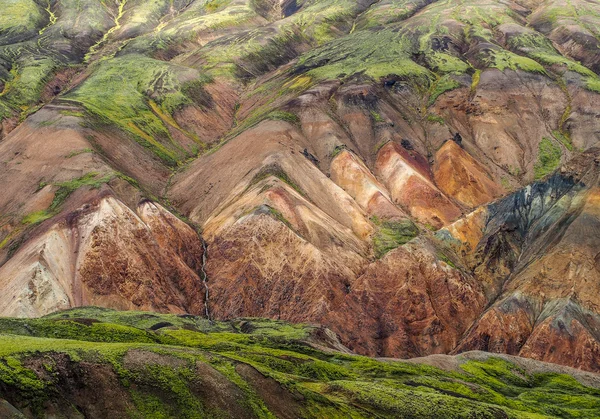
x=422, y=177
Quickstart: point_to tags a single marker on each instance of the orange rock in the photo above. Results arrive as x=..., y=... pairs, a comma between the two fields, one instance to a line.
x=412, y=188
x=460, y=176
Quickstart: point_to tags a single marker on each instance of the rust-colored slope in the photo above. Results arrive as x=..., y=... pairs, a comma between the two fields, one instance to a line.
x=354, y=177
x=105, y=254
x=409, y=303
x=260, y=267
x=461, y=177
x=549, y=278
x=411, y=188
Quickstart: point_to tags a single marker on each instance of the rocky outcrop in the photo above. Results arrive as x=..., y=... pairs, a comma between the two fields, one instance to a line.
x=409, y=182
x=462, y=177
x=107, y=255
x=412, y=302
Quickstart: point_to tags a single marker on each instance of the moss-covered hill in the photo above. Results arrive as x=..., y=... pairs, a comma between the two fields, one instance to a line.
x=139, y=63
x=103, y=363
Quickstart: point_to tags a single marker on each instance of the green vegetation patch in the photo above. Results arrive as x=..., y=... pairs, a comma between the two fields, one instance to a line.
x=446, y=260
x=388, y=11
x=122, y=91
x=290, y=117
x=20, y=17
x=549, y=155
x=564, y=138
x=503, y=59
x=374, y=53
x=276, y=171
x=593, y=84
x=440, y=86
x=391, y=234
x=155, y=359
x=92, y=179
x=79, y=152
x=65, y=189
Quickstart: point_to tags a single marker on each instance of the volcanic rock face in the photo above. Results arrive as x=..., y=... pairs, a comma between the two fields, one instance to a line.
x=421, y=178
x=107, y=255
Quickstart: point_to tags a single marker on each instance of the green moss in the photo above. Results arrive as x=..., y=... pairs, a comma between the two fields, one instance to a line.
x=440, y=86
x=445, y=63
x=19, y=17
x=284, y=116
x=435, y=119
x=119, y=92
x=361, y=52
x=115, y=27
x=565, y=139
x=391, y=234
x=174, y=381
x=549, y=156
x=376, y=116
x=538, y=47
x=593, y=84
x=380, y=144
x=75, y=114
x=29, y=76
x=412, y=403
x=65, y=189
x=36, y=217
x=387, y=12
x=446, y=260
x=475, y=81
x=330, y=383
x=502, y=60
x=276, y=171
x=275, y=213
x=77, y=329
x=337, y=150
x=78, y=152
x=149, y=406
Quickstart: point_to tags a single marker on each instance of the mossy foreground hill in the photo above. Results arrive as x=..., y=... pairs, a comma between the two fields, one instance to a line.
x=421, y=177
x=94, y=362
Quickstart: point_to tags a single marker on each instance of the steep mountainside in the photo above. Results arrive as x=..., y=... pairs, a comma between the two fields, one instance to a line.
x=420, y=177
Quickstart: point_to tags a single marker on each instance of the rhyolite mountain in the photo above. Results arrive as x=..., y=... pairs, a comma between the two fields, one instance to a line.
x=419, y=177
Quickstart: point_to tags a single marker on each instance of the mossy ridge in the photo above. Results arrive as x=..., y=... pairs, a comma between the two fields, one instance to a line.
x=539, y=48
x=254, y=53
x=20, y=19
x=126, y=91
x=441, y=86
x=93, y=180
x=29, y=60
x=410, y=52
x=24, y=84
x=191, y=20
x=360, y=52
x=386, y=12
x=276, y=171
x=593, y=85
x=549, y=156
x=329, y=382
x=391, y=234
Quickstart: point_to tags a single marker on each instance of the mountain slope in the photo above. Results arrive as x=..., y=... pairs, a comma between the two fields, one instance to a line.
x=420, y=177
